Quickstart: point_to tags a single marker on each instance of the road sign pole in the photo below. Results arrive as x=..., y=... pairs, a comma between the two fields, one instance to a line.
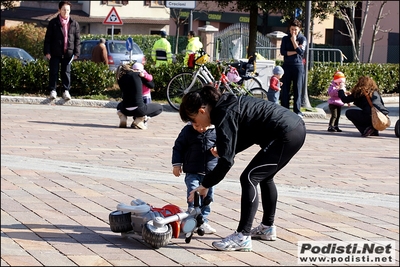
x=112, y=32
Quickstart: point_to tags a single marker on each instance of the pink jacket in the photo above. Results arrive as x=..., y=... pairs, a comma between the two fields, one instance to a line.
x=147, y=76
x=333, y=93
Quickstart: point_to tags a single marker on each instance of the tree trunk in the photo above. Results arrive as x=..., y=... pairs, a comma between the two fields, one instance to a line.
x=252, y=30
x=376, y=29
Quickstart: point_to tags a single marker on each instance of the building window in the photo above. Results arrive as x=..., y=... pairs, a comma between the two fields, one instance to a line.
x=154, y=3
x=117, y=31
x=114, y=3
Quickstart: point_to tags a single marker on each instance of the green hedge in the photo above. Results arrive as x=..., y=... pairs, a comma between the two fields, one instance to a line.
x=91, y=79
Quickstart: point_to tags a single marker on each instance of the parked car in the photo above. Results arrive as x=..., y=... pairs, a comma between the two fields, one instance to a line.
x=17, y=53
x=116, y=50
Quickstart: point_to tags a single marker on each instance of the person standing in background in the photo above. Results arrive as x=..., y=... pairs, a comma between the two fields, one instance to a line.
x=292, y=49
x=62, y=44
x=193, y=46
x=99, y=52
x=161, y=52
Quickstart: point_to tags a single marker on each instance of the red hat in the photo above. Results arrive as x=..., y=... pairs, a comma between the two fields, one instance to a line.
x=339, y=77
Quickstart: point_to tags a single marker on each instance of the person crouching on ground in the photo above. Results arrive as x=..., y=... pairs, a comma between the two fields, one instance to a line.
x=132, y=103
x=361, y=118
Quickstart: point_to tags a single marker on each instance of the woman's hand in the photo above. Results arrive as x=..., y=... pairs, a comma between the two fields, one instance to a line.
x=202, y=191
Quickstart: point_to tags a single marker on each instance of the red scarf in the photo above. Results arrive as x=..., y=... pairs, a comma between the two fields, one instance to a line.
x=64, y=23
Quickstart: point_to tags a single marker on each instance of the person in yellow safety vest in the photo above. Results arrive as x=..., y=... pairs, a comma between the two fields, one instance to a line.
x=193, y=46
x=161, y=52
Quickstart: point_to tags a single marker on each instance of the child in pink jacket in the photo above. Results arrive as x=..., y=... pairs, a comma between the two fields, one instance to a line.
x=147, y=81
x=335, y=103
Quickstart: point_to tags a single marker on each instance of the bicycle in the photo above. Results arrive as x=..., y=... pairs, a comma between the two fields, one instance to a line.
x=185, y=82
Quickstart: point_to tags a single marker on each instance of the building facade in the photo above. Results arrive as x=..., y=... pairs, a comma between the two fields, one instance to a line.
x=150, y=17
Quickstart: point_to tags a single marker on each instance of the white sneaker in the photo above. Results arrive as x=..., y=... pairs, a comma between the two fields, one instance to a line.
x=66, y=95
x=236, y=241
x=146, y=119
x=122, y=119
x=208, y=229
x=138, y=123
x=53, y=94
x=264, y=232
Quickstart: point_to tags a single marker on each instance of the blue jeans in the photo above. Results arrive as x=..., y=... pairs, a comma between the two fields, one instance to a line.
x=193, y=180
x=273, y=95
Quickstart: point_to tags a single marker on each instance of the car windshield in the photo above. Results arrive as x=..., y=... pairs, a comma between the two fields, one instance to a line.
x=120, y=48
x=17, y=53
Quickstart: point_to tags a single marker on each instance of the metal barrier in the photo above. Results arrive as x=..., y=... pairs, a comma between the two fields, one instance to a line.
x=318, y=54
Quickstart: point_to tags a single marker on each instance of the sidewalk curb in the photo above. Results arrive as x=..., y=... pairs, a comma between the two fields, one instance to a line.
x=319, y=114
x=106, y=104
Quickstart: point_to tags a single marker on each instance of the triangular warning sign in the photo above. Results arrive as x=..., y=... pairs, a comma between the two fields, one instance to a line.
x=113, y=18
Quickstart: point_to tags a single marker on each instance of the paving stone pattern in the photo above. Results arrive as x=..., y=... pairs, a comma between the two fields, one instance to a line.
x=65, y=168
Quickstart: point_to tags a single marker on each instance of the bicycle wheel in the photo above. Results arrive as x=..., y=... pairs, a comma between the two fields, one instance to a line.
x=252, y=82
x=259, y=93
x=177, y=86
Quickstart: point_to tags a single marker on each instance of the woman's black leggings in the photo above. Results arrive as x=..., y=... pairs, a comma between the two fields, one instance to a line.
x=261, y=170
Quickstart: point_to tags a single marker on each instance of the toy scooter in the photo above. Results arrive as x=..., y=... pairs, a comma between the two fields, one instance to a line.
x=158, y=225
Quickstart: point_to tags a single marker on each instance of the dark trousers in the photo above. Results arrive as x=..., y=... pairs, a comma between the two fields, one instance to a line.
x=335, y=115
x=294, y=75
x=65, y=72
x=359, y=118
x=261, y=170
x=150, y=109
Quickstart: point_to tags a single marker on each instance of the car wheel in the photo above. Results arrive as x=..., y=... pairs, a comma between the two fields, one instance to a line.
x=156, y=237
x=120, y=221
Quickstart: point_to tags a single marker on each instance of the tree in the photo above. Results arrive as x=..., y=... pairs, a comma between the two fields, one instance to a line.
x=8, y=4
x=376, y=29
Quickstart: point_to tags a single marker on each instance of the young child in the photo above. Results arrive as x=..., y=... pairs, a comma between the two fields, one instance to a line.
x=275, y=85
x=147, y=81
x=334, y=101
x=192, y=154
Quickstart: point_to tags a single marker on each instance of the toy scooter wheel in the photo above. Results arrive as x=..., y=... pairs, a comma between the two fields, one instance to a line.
x=120, y=221
x=156, y=236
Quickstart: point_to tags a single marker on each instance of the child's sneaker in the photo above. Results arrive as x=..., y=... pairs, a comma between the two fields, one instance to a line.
x=208, y=229
x=337, y=129
x=331, y=129
x=236, y=241
x=264, y=232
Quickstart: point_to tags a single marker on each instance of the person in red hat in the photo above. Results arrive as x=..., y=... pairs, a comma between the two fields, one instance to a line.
x=334, y=101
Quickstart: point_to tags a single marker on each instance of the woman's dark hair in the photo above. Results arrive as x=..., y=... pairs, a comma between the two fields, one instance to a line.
x=193, y=101
x=192, y=33
x=62, y=3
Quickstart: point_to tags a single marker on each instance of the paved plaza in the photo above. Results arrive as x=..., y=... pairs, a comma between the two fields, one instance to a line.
x=64, y=168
